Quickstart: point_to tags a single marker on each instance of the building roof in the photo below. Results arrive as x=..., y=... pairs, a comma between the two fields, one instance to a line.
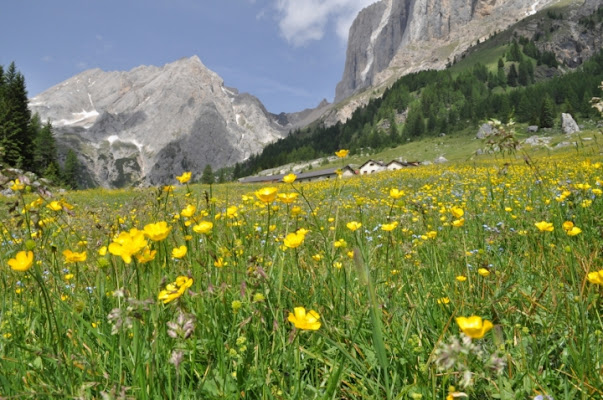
x=395, y=161
x=323, y=172
x=258, y=179
x=373, y=161
x=303, y=175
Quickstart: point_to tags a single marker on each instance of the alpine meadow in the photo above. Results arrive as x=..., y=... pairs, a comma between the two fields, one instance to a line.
x=165, y=236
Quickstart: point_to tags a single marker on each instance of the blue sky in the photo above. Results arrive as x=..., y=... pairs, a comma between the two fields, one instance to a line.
x=288, y=53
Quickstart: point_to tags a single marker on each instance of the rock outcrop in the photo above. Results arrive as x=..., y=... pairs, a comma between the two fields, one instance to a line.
x=147, y=125
x=392, y=38
x=568, y=124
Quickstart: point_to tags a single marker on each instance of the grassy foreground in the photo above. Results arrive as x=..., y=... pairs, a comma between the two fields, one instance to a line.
x=192, y=292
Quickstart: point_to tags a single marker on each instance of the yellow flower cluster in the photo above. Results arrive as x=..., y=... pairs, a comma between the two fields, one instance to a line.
x=175, y=289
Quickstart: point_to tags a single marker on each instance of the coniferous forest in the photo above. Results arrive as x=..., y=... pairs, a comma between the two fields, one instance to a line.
x=26, y=142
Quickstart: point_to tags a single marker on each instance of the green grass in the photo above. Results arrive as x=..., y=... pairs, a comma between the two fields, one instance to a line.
x=462, y=147
x=387, y=300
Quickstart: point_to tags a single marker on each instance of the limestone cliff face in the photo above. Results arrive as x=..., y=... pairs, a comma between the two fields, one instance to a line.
x=394, y=37
x=147, y=125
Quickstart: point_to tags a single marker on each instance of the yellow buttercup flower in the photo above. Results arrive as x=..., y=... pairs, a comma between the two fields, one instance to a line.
x=567, y=225
x=267, y=194
x=231, y=212
x=175, y=289
x=146, y=255
x=54, y=206
x=458, y=212
x=189, y=211
x=179, y=252
x=353, y=226
x=294, y=240
x=158, y=231
x=203, y=227
x=474, y=326
x=185, y=177
x=290, y=178
x=596, y=277
x=443, y=300
x=127, y=244
x=305, y=321
x=340, y=243
x=287, y=198
x=431, y=234
x=457, y=223
x=389, y=227
x=342, y=153
x=17, y=186
x=573, y=231
x=396, y=194
x=483, y=272
x=544, y=226
x=22, y=261
x=72, y=257
x=461, y=278
x=220, y=263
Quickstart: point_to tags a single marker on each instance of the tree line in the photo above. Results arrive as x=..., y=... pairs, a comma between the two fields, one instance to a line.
x=26, y=142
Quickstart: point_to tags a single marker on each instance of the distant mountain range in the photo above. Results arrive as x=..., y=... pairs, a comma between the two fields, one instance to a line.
x=147, y=125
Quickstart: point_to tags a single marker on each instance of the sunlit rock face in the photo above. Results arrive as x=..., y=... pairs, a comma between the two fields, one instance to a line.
x=391, y=38
x=148, y=125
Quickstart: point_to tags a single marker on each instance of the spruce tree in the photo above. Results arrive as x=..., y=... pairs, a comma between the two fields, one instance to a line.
x=208, y=175
x=45, y=149
x=547, y=113
x=71, y=170
x=512, y=76
x=524, y=76
x=222, y=176
x=15, y=136
x=502, y=77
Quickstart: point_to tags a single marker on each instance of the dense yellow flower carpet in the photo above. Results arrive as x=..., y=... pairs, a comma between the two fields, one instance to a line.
x=478, y=280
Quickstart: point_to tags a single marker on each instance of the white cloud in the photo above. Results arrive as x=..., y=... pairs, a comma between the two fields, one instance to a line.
x=302, y=21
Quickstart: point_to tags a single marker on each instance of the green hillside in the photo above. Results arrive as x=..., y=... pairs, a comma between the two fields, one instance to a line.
x=505, y=77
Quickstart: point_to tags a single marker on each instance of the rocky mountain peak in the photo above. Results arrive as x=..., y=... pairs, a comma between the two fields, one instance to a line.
x=149, y=124
x=392, y=38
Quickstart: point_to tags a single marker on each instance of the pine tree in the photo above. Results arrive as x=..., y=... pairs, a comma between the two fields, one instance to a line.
x=222, y=176
x=505, y=110
x=524, y=76
x=208, y=175
x=52, y=173
x=14, y=120
x=514, y=53
x=237, y=173
x=415, y=124
x=547, y=113
x=71, y=170
x=525, y=109
x=502, y=77
x=45, y=149
x=512, y=76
